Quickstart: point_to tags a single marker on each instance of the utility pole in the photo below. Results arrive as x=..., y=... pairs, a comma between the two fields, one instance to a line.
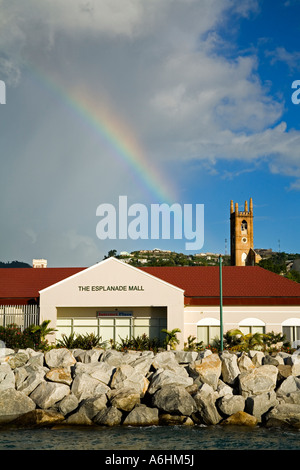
x=221, y=302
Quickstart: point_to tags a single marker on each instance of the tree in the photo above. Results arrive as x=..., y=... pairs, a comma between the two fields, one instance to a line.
x=110, y=254
x=171, y=338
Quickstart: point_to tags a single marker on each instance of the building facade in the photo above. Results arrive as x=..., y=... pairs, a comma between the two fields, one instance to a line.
x=116, y=300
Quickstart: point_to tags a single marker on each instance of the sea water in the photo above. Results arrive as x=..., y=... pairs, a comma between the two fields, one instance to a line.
x=163, y=438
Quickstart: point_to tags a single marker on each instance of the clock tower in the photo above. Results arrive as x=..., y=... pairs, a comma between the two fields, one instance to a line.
x=241, y=235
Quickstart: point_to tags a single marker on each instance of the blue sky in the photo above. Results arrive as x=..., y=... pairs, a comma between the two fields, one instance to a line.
x=202, y=88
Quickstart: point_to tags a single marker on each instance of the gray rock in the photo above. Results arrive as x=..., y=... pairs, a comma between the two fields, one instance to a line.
x=293, y=397
x=68, y=404
x=59, y=358
x=48, y=393
x=289, y=385
x=59, y=375
x=80, y=418
x=84, y=386
x=142, y=415
x=14, y=404
x=109, y=417
x=208, y=370
x=294, y=362
x=112, y=357
x=231, y=404
x=165, y=360
x=101, y=371
x=90, y=356
x=7, y=377
x=163, y=377
x=127, y=376
x=230, y=369
x=205, y=400
x=174, y=399
x=185, y=357
x=28, y=379
x=124, y=398
x=245, y=363
x=259, y=405
x=223, y=389
x=92, y=406
x=18, y=360
x=259, y=380
x=39, y=418
x=284, y=415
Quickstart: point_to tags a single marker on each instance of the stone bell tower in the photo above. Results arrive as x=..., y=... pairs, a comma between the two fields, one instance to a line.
x=241, y=235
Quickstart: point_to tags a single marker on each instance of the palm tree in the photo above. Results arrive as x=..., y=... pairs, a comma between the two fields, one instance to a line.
x=171, y=338
x=43, y=329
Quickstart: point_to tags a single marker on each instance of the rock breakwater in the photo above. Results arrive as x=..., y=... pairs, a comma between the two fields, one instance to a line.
x=110, y=388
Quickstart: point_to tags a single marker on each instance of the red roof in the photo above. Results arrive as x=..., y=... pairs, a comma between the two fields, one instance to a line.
x=241, y=285
x=20, y=284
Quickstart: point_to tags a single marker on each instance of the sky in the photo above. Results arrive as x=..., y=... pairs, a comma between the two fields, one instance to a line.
x=185, y=102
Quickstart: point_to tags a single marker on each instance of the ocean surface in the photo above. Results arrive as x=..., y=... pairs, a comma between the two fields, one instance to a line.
x=196, y=438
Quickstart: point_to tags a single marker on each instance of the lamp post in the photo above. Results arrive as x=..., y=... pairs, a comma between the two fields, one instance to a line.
x=221, y=303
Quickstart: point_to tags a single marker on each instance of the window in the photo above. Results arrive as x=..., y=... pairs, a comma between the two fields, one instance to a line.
x=291, y=330
x=208, y=329
x=252, y=326
x=244, y=226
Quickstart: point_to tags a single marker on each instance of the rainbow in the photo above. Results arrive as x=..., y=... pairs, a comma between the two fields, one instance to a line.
x=114, y=132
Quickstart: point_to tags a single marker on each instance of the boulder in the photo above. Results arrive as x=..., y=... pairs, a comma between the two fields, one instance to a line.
x=245, y=363
x=18, y=359
x=127, y=376
x=92, y=406
x=101, y=371
x=205, y=400
x=293, y=397
x=124, y=399
x=230, y=369
x=289, y=385
x=59, y=358
x=87, y=357
x=112, y=357
x=185, y=357
x=284, y=415
x=142, y=415
x=167, y=419
x=68, y=404
x=109, y=417
x=208, y=370
x=272, y=360
x=142, y=364
x=257, y=357
x=165, y=360
x=294, y=362
x=284, y=371
x=259, y=380
x=80, y=418
x=223, y=389
x=48, y=393
x=258, y=405
x=59, y=375
x=241, y=418
x=84, y=386
x=231, y=404
x=39, y=418
x=7, y=377
x=14, y=404
x=174, y=399
x=163, y=377
x=29, y=378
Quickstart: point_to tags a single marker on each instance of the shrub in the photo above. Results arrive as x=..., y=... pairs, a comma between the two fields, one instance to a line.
x=87, y=341
x=14, y=338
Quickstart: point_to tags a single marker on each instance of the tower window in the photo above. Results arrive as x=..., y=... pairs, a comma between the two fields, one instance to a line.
x=244, y=226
